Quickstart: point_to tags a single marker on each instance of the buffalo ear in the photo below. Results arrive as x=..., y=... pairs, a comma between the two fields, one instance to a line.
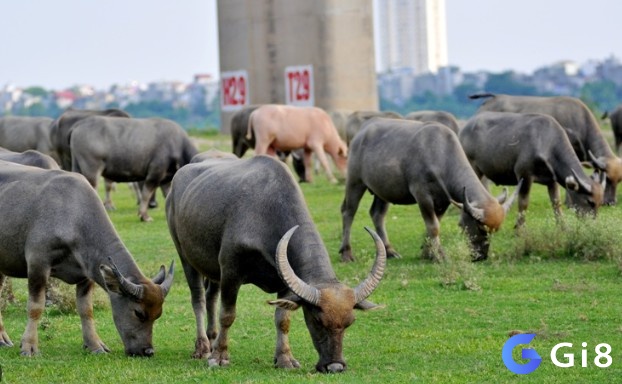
x=367, y=306
x=289, y=305
x=110, y=279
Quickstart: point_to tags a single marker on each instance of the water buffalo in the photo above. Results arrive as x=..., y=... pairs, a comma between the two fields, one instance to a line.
x=356, y=119
x=241, y=143
x=30, y=157
x=445, y=118
x=579, y=124
x=223, y=236
x=286, y=128
x=129, y=150
x=53, y=225
x=616, y=126
x=507, y=147
x=21, y=133
x=60, y=131
x=409, y=162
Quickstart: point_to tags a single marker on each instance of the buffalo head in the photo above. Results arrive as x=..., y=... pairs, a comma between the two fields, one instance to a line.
x=328, y=307
x=584, y=197
x=135, y=306
x=479, y=220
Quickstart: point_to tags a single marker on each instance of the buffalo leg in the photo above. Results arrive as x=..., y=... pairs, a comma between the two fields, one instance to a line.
x=37, y=281
x=553, y=190
x=197, y=294
x=283, y=357
x=378, y=212
x=307, y=160
x=321, y=155
x=5, y=341
x=523, y=201
x=84, y=304
x=212, y=289
x=354, y=194
x=108, y=187
x=147, y=192
x=432, y=249
x=229, y=289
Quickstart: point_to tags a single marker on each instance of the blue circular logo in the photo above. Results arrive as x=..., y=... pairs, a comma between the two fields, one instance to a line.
x=527, y=353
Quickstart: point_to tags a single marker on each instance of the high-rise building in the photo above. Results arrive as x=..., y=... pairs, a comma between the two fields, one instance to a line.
x=410, y=34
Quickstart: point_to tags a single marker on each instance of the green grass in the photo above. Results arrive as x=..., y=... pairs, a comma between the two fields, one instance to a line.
x=441, y=323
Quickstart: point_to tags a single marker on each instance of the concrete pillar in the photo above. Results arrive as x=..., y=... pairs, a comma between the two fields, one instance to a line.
x=263, y=37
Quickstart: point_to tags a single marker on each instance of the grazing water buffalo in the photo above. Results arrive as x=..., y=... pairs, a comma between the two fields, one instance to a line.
x=29, y=157
x=21, y=133
x=286, y=128
x=578, y=122
x=127, y=150
x=445, y=118
x=53, y=224
x=231, y=221
x=60, y=131
x=508, y=147
x=409, y=162
x=241, y=143
x=356, y=119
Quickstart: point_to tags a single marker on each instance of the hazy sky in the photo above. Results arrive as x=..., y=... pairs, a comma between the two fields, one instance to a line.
x=59, y=43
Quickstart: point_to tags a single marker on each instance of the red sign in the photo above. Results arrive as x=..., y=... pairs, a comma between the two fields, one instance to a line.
x=233, y=90
x=299, y=85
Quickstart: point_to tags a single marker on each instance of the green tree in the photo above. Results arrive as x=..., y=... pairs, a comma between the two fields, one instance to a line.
x=600, y=95
x=506, y=82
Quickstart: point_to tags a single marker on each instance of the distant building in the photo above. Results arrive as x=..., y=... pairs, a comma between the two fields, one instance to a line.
x=411, y=34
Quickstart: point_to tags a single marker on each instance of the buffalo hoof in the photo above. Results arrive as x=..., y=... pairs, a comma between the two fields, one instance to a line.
x=146, y=218
x=392, y=254
x=201, y=349
x=286, y=361
x=347, y=257
x=98, y=348
x=29, y=350
x=5, y=341
x=217, y=362
x=153, y=204
x=479, y=258
x=109, y=206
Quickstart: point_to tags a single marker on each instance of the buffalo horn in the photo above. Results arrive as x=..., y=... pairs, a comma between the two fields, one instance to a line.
x=166, y=281
x=598, y=163
x=503, y=196
x=582, y=183
x=363, y=290
x=476, y=213
x=131, y=289
x=305, y=291
x=507, y=204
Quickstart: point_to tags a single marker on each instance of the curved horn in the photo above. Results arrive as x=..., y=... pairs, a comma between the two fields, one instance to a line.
x=363, y=290
x=168, y=278
x=133, y=290
x=503, y=196
x=507, y=204
x=598, y=163
x=476, y=213
x=306, y=292
x=585, y=186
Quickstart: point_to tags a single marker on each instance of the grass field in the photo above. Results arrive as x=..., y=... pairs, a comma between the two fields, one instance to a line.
x=441, y=323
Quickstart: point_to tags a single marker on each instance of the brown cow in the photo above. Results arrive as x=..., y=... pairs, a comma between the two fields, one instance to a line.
x=285, y=128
